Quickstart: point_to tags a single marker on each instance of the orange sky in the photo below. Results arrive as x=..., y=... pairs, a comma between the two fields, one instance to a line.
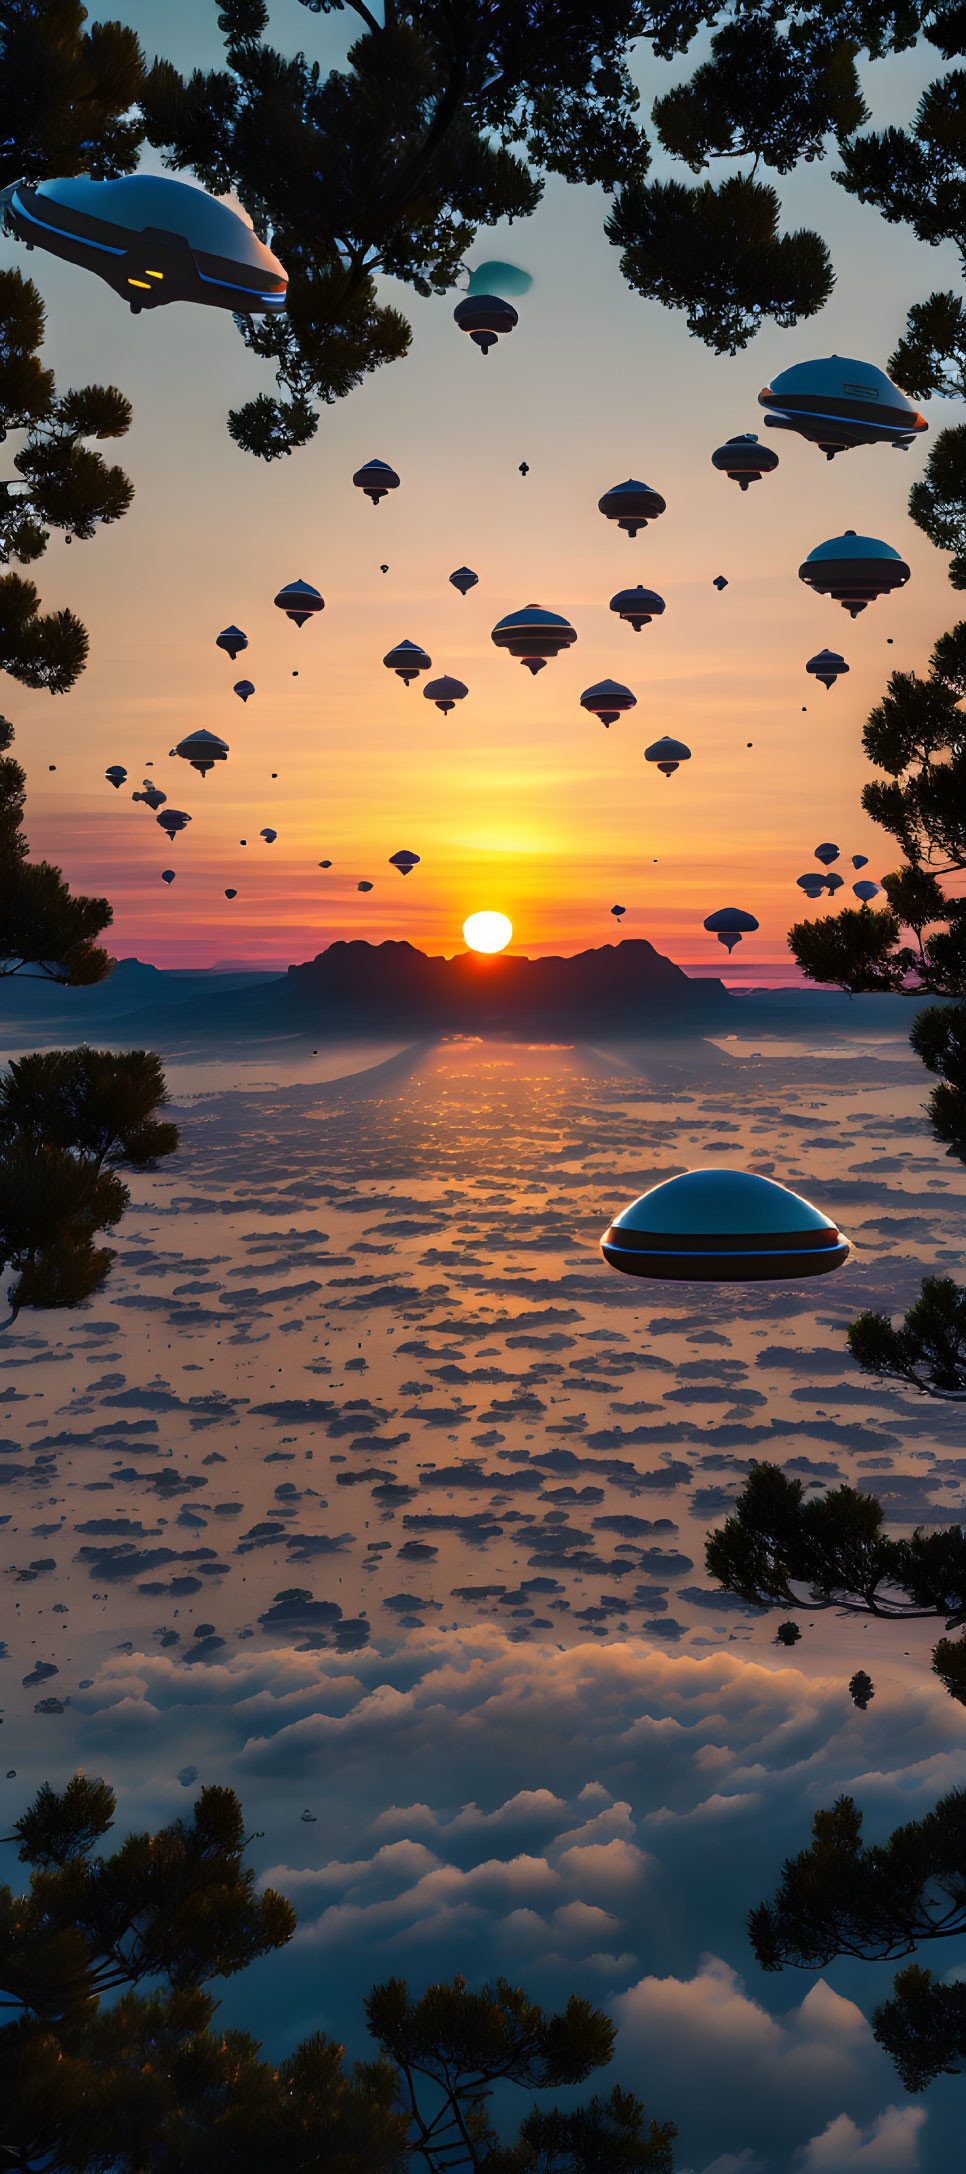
x=518, y=800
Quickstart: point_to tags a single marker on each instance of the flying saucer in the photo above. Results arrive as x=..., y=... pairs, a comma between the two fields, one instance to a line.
x=533, y=635
x=607, y=699
x=485, y=317
x=667, y=753
x=837, y=402
x=153, y=239
x=632, y=505
x=744, y=460
x=854, y=570
x=827, y=666
x=723, y=1226
x=637, y=606
x=202, y=749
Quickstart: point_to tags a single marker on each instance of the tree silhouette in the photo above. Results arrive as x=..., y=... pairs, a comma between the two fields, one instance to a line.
x=69, y=92
x=937, y=503
x=466, y=2042
x=931, y=358
x=146, y=2081
x=46, y=934
x=717, y=254
x=939, y=1038
x=69, y=1119
x=928, y=1351
x=878, y=1902
x=853, y=950
x=794, y=107
x=778, y=1550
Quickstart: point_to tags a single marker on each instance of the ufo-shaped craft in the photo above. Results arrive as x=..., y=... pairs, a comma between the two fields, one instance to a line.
x=407, y=660
x=866, y=890
x=833, y=883
x=167, y=875
x=811, y=883
x=172, y=820
x=860, y=860
x=632, y=505
x=464, y=578
x=153, y=239
x=202, y=749
x=637, y=606
x=729, y=925
x=744, y=460
x=533, y=635
x=445, y=692
x=607, y=700
x=827, y=853
x=837, y=402
x=298, y=600
x=854, y=570
x=152, y=796
x=667, y=753
x=376, y=478
x=363, y=886
x=827, y=666
x=404, y=861
x=484, y=317
x=116, y=775
x=231, y=639
x=723, y=1226
x=720, y=582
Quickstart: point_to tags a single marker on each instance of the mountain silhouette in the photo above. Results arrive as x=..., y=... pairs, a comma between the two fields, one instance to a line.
x=627, y=987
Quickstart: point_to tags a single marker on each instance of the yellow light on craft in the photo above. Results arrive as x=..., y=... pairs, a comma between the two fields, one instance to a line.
x=137, y=282
x=487, y=931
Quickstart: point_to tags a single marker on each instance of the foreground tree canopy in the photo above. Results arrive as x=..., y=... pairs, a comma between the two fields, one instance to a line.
x=878, y=1902
x=147, y=2081
x=69, y=1119
x=449, y=115
x=778, y=1549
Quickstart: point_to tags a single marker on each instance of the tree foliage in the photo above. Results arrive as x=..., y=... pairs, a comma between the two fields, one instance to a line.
x=69, y=1119
x=937, y=503
x=465, y=2042
x=929, y=1349
x=45, y=932
x=70, y=92
x=146, y=2082
x=878, y=1902
x=939, y=1037
x=778, y=1549
x=717, y=254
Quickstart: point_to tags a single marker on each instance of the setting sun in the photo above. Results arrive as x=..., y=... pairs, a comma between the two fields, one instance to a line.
x=487, y=931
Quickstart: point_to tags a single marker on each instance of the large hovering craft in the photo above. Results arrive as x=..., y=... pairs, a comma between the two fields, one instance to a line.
x=723, y=1226
x=298, y=600
x=407, y=660
x=837, y=403
x=744, y=460
x=632, y=505
x=202, y=749
x=729, y=925
x=151, y=238
x=376, y=478
x=533, y=635
x=637, y=606
x=485, y=317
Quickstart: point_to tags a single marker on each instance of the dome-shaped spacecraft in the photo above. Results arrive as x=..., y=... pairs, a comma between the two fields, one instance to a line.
x=445, y=692
x=854, y=570
x=827, y=853
x=268, y=835
x=811, y=883
x=607, y=700
x=298, y=600
x=464, y=578
x=172, y=820
x=833, y=883
x=407, y=660
x=243, y=688
x=376, y=478
x=152, y=796
x=837, y=402
x=168, y=875
x=202, y=749
x=729, y=925
x=232, y=640
x=533, y=635
x=484, y=317
x=744, y=460
x=667, y=753
x=866, y=890
x=827, y=666
x=404, y=861
x=115, y=776
x=632, y=505
x=723, y=1226
x=860, y=860
x=153, y=239
x=231, y=894
x=618, y=912
x=637, y=606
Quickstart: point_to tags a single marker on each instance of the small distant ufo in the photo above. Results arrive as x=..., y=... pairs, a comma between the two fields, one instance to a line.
x=376, y=478
x=485, y=317
x=744, y=460
x=637, y=606
x=667, y=754
x=632, y=505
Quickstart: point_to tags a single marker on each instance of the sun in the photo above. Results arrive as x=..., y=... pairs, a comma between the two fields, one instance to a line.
x=487, y=931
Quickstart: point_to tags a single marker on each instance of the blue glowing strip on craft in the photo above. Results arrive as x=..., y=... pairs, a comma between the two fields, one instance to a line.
x=211, y=281
x=64, y=232
x=764, y=1253
x=824, y=415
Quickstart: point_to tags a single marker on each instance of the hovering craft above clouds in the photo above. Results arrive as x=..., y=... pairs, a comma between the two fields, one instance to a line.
x=151, y=238
x=837, y=402
x=723, y=1226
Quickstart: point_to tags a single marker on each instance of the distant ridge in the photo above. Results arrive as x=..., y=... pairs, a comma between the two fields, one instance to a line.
x=627, y=987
